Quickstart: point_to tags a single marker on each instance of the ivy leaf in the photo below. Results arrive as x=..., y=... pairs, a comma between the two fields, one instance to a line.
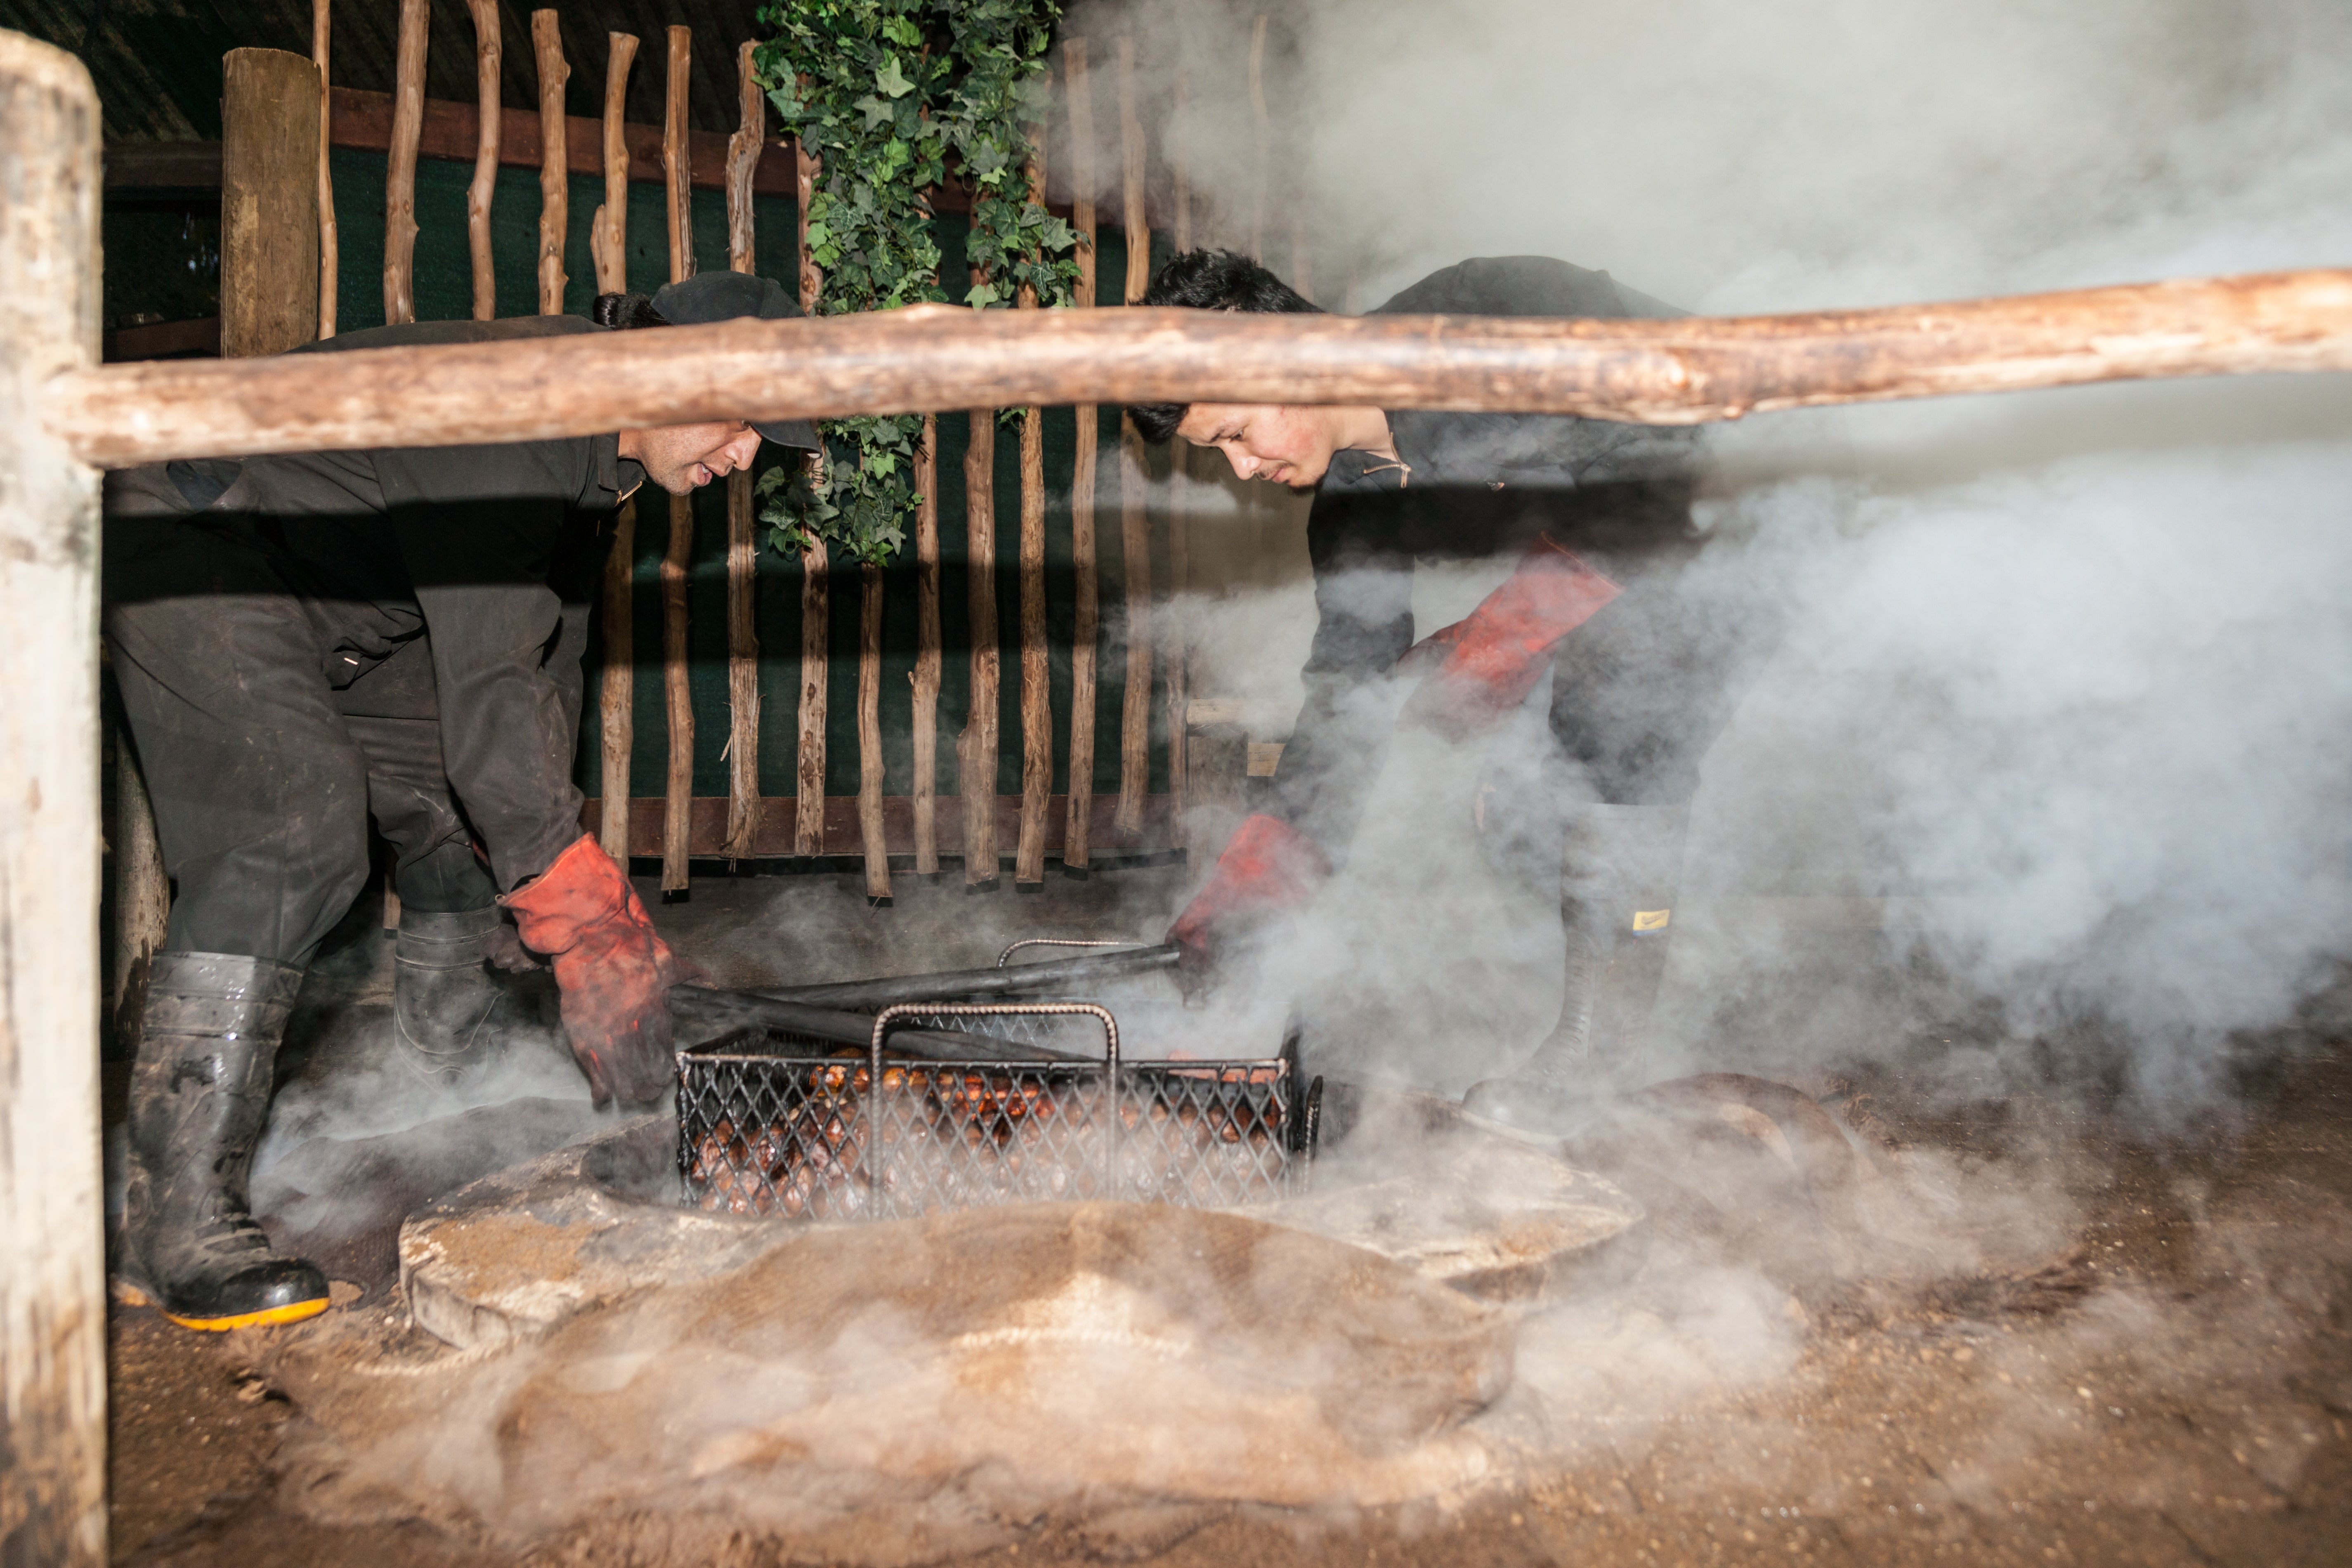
x=890, y=81
x=901, y=31
x=982, y=295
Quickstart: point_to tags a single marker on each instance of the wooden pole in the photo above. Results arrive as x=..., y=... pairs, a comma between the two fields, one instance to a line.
x=1037, y=692
x=608, y=236
x=616, y=692
x=487, y=120
x=322, y=21
x=976, y=747
x=678, y=810
x=817, y=586
x=269, y=202
x=1683, y=371
x=555, y=159
x=926, y=676
x=1085, y=630
x=1261, y=123
x=1180, y=522
x=142, y=894
x=1135, y=534
x=742, y=545
x=869, y=733
x=52, y=1249
x=400, y=172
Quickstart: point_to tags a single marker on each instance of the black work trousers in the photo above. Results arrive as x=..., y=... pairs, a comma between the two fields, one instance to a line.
x=263, y=769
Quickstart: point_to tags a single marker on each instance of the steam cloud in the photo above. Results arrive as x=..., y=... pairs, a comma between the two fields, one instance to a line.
x=2070, y=664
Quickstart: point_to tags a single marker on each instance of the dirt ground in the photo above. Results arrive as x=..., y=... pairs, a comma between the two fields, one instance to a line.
x=2172, y=1384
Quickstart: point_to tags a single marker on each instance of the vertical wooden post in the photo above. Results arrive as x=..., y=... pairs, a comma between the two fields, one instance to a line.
x=555, y=159
x=321, y=19
x=487, y=120
x=976, y=747
x=816, y=584
x=1036, y=693
x=608, y=234
x=1260, y=122
x=616, y=692
x=870, y=831
x=143, y=893
x=399, y=172
x=1086, y=631
x=677, y=811
x=926, y=676
x=1180, y=522
x=1135, y=534
x=52, y=1281
x=742, y=544
x=269, y=202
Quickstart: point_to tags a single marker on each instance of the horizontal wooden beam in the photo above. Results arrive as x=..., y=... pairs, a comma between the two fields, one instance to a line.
x=777, y=833
x=162, y=340
x=935, y=357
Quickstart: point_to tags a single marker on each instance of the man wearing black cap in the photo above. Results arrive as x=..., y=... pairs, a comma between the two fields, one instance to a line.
x=303, y=642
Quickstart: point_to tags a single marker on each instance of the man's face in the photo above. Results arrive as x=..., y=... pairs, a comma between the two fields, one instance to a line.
x=1281, y=443
x=681, y=459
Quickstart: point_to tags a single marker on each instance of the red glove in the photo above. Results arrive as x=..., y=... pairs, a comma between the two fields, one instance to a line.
x=614, y=971
x=1490, y=660
x=1268, y=866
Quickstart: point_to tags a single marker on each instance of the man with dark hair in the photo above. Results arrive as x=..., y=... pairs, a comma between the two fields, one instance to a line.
x=303, y=642
x=1600, y=513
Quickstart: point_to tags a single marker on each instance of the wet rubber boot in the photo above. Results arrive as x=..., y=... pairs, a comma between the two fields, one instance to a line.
x=1617, y=912
x=444, y=997
x=199, y=1094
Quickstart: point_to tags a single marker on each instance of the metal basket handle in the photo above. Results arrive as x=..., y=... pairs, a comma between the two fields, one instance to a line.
x=1006, y=956
x=902, y=1013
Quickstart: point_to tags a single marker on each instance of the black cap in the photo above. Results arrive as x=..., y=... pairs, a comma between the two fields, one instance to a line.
x=725, y=297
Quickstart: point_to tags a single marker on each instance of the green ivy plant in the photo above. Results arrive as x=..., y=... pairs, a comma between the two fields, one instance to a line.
x=881, y=91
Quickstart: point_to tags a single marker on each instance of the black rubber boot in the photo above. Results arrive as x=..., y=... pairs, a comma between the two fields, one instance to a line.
x=443, y=995
x=1617, y=909
x=199, y=1095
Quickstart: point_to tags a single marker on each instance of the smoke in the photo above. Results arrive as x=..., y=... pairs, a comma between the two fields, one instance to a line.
x=2065, y=671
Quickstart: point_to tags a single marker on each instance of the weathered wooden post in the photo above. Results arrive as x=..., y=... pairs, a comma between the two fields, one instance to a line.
x=399, y=167
x=269, y=202
x=52, y=1249
x=926, y=675
x=1037, y=692
x=816, y=584
x=617, y=691
x=321, y=28
x=1086, y=628
x=743, y=541
x=976, y=746
x=488, y=122
x=1134, y=524
x=554, y=159
x=677, y=807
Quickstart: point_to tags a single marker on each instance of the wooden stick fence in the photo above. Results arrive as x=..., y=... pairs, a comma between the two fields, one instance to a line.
x=817, y=588
x=1036, y=697
x=330, y=270
x=486, y=42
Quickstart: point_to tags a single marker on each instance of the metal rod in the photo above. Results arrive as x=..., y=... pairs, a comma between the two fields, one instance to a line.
x=846, y=1028
x=1061, y=976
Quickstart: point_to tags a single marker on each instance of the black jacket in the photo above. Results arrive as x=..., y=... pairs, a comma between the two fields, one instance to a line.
x=473, y=552
x=1473, y=485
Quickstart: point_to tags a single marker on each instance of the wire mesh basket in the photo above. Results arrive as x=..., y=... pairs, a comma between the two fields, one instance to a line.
x=775, y=1123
